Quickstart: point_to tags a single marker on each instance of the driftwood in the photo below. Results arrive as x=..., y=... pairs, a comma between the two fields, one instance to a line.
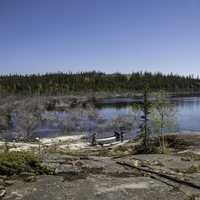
x=160, y=174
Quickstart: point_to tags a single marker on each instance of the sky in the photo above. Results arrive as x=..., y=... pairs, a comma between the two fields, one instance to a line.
x=39, y=36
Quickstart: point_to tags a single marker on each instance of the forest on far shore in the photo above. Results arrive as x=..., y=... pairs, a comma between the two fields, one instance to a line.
x=63, y=83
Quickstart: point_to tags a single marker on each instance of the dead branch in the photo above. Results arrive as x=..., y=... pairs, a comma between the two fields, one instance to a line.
x=166, y=176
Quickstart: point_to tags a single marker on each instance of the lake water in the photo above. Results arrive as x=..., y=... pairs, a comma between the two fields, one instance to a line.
x=113, y=113
x=187, y=111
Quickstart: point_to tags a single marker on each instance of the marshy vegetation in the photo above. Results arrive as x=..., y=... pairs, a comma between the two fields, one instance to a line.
x=26, y=118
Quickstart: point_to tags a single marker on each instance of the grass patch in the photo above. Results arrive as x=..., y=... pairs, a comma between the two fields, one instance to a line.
x=152, y=149
x=194, y=197
x=190, y=156
x=194, y=169
x=17, y=162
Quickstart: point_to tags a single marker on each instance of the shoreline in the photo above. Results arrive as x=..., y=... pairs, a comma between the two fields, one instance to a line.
x=74, y=142
x=115, y=172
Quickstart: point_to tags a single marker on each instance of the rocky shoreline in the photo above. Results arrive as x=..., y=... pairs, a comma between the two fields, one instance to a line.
x=87, y=172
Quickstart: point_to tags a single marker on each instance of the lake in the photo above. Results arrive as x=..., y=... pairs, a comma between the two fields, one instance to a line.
x=187, y=111
x=113, y=113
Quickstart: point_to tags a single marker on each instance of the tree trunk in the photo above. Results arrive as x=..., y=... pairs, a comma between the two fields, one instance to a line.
x=162, y=135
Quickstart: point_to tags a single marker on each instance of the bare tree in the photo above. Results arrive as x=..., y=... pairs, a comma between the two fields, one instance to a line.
x=6, y=109
x=26, y=123
x=28, y=116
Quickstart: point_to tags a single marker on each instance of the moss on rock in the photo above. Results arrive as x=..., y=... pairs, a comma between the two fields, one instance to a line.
x=18, y=162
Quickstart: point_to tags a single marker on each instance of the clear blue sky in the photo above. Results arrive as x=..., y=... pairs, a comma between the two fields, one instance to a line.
x=38, y=36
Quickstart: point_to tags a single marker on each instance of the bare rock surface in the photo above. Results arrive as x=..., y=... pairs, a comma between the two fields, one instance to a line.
x=92, y=187
x=99, y=178
x=89, y=177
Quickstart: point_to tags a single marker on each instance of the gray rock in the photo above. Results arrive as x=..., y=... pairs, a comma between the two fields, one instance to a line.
x=2, y=187
x=3, y=177
x=9, y=182
x=63, y=169
x=30, y=179
x=1, y=181
x=2, y=193
x=14, y=195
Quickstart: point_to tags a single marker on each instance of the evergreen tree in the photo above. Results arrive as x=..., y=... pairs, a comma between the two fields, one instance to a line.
x=146, y=106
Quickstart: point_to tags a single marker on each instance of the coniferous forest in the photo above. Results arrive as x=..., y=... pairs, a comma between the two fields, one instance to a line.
x=62, y=83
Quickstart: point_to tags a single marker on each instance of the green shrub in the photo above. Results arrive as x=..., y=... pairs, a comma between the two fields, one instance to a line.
x=193, y=169
x=17, y=162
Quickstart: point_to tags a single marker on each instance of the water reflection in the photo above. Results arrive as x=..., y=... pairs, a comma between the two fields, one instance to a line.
x=187, y=115
x=109, y=115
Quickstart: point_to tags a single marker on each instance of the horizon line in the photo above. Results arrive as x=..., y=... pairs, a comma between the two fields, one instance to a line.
x=97, y=71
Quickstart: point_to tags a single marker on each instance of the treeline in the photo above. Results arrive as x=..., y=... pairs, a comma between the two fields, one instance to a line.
x=62, y=83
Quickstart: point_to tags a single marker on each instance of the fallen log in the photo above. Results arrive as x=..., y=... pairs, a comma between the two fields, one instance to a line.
x=166, y=176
